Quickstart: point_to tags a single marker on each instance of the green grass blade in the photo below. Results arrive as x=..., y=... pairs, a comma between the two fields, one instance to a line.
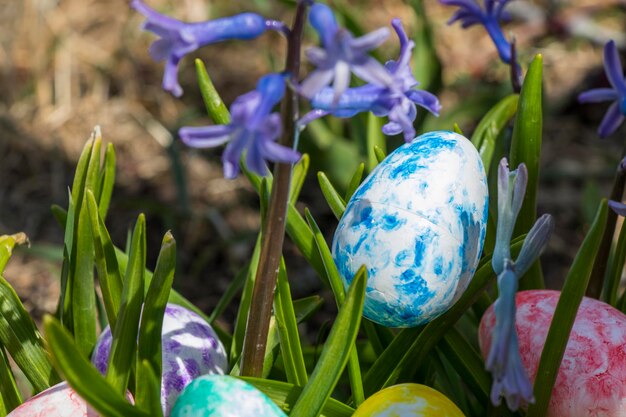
x=467, y=362
x=355, y=181
x=305, y=307
x=83, y=299
x=336, y=351
x=490, y=127
x=615, y=268
x=285, y=396
x=526, y=148
x=124, y=344
x=107, y=181
x=288, y=330
x=148, y=396
x=375, y=139
x=106, y=263
x=298, y=176
x=21, y=339
x=77, y=370
x=10, y=396
x=7, y=243
x=336, y=284
x=233, y=288
x=457, y=129
x=332, y=196
x=244, y=305
x=565, y=314
x=380, y=154
x=301, y=235
x=214, y=105
x=149, y=344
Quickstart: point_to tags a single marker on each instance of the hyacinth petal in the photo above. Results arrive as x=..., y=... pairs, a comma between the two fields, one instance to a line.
x=170, y=77
x=370, y=40
x=465, y=4
x=426, y=100
x=323, y=21
x=279, y=153
x=160, y=49
x=611, y=121
x=205, y=136
x=232, y=154
x=466, y=17
x=254, y=159
x=504, y=229
x=618, y=207
x=392, y=128
x=519, y=188
x=154, y=16
x=373, y=72
x=317, y=56
x=315, y=82
x=613, y=67
x=535, y=242
x=503, y=361
x=341, y=79
x=598, y=95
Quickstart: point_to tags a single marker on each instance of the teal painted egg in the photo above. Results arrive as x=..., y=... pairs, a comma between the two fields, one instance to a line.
x=223, y=396
x=418, y=223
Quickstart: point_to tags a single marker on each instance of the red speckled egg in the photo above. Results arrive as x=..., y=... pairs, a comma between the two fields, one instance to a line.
x=57, y=401
x=592, y=379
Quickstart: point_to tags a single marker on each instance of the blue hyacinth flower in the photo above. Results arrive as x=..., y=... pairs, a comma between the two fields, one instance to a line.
x=253, y=128
x=397, y=99
x=340, y=55
x=470, y=13
x=510, y=379
x=177, y=38
x=617, y=94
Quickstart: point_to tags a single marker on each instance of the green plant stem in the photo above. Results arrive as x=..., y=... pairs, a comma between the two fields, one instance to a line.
x=599, y=267
x=274, y=228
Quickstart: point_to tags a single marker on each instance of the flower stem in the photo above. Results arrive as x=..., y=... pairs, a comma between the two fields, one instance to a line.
x=259, y=315
x=594, y=289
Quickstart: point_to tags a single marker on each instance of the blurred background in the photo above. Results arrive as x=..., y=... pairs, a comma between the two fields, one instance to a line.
x=68, y=65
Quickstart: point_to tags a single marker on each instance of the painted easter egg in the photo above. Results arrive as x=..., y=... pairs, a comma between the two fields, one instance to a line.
x=418, y=224
x=190, y=348
x=410, y=400
x=592, y=377
x=58, y=401
x=223, y=396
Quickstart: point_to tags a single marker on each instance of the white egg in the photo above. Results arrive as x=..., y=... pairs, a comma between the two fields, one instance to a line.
x=417, y=223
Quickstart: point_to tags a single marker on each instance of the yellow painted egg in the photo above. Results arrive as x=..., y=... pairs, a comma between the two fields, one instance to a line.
x=408, y=400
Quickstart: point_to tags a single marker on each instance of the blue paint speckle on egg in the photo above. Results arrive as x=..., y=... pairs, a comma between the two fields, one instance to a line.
x=417, y=223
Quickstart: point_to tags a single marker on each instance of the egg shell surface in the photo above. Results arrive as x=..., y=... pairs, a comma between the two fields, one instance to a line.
x=190, y=348
x=592, y=377
x=418, y=223
x=410, y=400
x=223, y=396
x=57, y=401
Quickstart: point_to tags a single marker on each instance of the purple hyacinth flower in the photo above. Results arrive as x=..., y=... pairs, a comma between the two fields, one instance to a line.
x=510, y=379
x=615, y=115
x=177, y=38
x=397, y=99
x=509, y=376
x=470, y=13
x=253, y=128
x=341, y=53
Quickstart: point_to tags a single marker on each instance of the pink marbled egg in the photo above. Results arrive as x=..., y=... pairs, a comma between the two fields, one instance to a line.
x=592, y=379
x=57, y=401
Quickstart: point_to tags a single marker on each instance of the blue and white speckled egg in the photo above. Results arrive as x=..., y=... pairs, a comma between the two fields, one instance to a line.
x=190, y=348
x=418, y=223
x=223, y=396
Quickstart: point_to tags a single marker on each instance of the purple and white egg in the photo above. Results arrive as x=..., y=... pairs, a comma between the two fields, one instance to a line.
x=190, y=348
